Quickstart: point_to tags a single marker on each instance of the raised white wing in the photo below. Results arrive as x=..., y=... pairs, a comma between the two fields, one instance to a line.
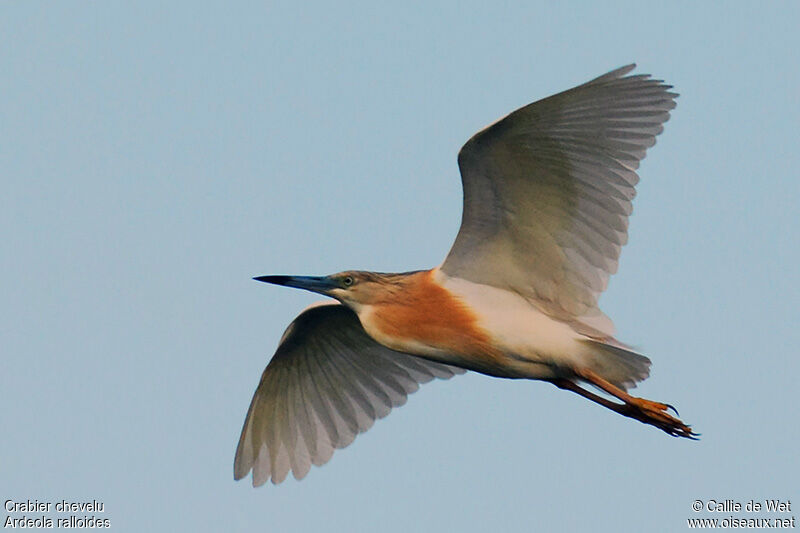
x=327, y=382
x=548, y=190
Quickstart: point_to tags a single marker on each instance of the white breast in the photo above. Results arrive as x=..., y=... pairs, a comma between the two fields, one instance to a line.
x=515, y=325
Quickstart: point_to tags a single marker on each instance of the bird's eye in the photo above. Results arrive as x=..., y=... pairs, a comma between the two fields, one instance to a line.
x=348, y=281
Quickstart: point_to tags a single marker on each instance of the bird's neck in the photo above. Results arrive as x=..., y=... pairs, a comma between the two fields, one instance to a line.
x=420, y=316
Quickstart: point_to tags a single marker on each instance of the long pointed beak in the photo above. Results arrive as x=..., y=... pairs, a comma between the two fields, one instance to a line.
x=320, y=284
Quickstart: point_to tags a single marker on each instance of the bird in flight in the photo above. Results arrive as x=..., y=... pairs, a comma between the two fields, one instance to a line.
x=547, y=195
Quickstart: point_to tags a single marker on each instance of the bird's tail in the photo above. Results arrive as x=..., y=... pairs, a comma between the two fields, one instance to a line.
x=616, y=363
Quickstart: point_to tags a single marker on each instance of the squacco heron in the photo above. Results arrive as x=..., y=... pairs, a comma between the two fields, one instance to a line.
x=547, y=195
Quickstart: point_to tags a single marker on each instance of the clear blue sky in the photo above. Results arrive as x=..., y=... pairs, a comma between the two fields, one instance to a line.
x=154, y=158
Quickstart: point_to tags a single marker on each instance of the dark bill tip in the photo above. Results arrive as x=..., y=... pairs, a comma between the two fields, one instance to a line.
x=277, y=280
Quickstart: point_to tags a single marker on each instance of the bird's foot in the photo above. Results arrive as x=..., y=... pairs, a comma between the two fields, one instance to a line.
x=655, y=414
x=646, y=411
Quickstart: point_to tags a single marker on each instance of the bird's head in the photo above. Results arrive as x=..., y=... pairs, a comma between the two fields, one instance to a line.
x=353, y=288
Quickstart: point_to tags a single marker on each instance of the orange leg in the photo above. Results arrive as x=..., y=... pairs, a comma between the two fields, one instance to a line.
x=647, y=411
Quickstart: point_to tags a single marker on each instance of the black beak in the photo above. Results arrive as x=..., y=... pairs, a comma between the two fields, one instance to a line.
x=320, y=284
